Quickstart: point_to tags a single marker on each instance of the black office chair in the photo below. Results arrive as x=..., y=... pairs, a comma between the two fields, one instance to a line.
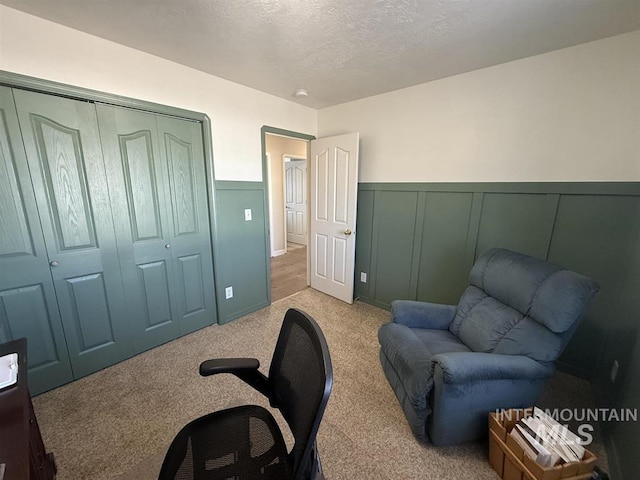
x=245, y=443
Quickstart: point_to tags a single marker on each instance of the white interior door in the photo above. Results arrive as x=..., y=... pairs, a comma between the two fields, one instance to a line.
x=295, y=174
x=334, y=187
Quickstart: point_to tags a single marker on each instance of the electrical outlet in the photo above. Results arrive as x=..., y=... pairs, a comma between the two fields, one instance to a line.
x=614, y=371
x=247, y=214
x=228, y=293
x=363, y=277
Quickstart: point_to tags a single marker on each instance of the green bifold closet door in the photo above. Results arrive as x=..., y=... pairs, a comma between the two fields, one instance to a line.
x=156, y=172
x=65, y=161
x=122, y=214
x=28, y=304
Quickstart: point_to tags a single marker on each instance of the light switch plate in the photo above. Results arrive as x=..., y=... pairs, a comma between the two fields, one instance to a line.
x=247, y=214
x=228, y=293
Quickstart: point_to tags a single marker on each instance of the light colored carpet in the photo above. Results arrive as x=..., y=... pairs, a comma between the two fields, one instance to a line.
x=117, y=423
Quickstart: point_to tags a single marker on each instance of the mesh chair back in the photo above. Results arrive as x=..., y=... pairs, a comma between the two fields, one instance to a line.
x=301, y=378
x=241, y=443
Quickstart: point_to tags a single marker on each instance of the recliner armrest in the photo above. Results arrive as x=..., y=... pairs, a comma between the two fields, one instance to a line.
x=246, y=369
x=422, y=314
x=465, y=367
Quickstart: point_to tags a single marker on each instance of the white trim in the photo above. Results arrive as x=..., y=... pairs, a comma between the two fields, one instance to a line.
x=273, y=253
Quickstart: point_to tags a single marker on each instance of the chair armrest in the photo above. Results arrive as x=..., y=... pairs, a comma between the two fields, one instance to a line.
x=246, y=369
x=228, y=365
x=422, y=314
x=466, y=367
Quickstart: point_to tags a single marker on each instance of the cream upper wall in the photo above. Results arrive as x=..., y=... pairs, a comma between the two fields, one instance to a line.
x=568, y=115
x=39, y=48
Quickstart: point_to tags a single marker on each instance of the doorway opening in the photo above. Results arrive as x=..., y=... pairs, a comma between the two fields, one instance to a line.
x=332, y=186
x=286, y=157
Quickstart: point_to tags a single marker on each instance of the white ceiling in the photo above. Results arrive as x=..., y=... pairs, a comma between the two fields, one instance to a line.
x=340, y=50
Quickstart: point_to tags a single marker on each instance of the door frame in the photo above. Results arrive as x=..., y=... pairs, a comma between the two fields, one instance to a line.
x=272, y=252
x=265, y=182
x=25, y=82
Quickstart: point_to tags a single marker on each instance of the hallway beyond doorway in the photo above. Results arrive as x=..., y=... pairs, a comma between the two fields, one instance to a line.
x=289, y=272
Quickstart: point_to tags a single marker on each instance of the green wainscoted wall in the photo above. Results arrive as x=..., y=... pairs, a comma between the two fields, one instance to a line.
x=623, y=344
x=419, y=241
x=242, y=251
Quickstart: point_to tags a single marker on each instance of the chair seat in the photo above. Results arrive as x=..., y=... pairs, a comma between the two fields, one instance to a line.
x=214, y=447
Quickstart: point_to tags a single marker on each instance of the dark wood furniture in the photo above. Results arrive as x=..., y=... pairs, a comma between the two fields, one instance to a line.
x=21, y=447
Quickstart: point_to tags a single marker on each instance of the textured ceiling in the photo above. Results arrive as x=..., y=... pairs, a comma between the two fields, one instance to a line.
x=340, y=50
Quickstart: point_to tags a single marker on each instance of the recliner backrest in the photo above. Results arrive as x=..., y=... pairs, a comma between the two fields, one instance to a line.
x=520, y=305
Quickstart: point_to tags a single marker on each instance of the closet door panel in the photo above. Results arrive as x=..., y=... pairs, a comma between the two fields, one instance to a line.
x=28, y=306
x=182, y=148
x=14, y=231
x=64, y=175
x=154, y=281
x=65, y=160
x=26, y=314
x=191, y=279
x=30, y=310
x=139, y=166
x=183, y=190
x=138, y=179
x=91, y=319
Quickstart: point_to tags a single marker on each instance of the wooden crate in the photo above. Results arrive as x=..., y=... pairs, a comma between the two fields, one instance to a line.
x=508, y=459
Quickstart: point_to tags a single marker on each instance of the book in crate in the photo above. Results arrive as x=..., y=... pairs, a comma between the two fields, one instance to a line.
x=554, y=453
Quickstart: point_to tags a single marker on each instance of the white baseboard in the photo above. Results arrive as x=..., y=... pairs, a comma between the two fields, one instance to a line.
x=277, y=253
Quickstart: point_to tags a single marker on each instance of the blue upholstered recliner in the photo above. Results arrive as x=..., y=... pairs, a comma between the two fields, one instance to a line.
x=451, y=365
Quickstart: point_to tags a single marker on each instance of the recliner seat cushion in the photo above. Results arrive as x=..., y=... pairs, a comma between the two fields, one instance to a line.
x=410, y=350
x=439, y=341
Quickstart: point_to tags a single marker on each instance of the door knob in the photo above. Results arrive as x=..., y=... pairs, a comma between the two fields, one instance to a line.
x=53, y=263
x=347, y=232
x=167, y=245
